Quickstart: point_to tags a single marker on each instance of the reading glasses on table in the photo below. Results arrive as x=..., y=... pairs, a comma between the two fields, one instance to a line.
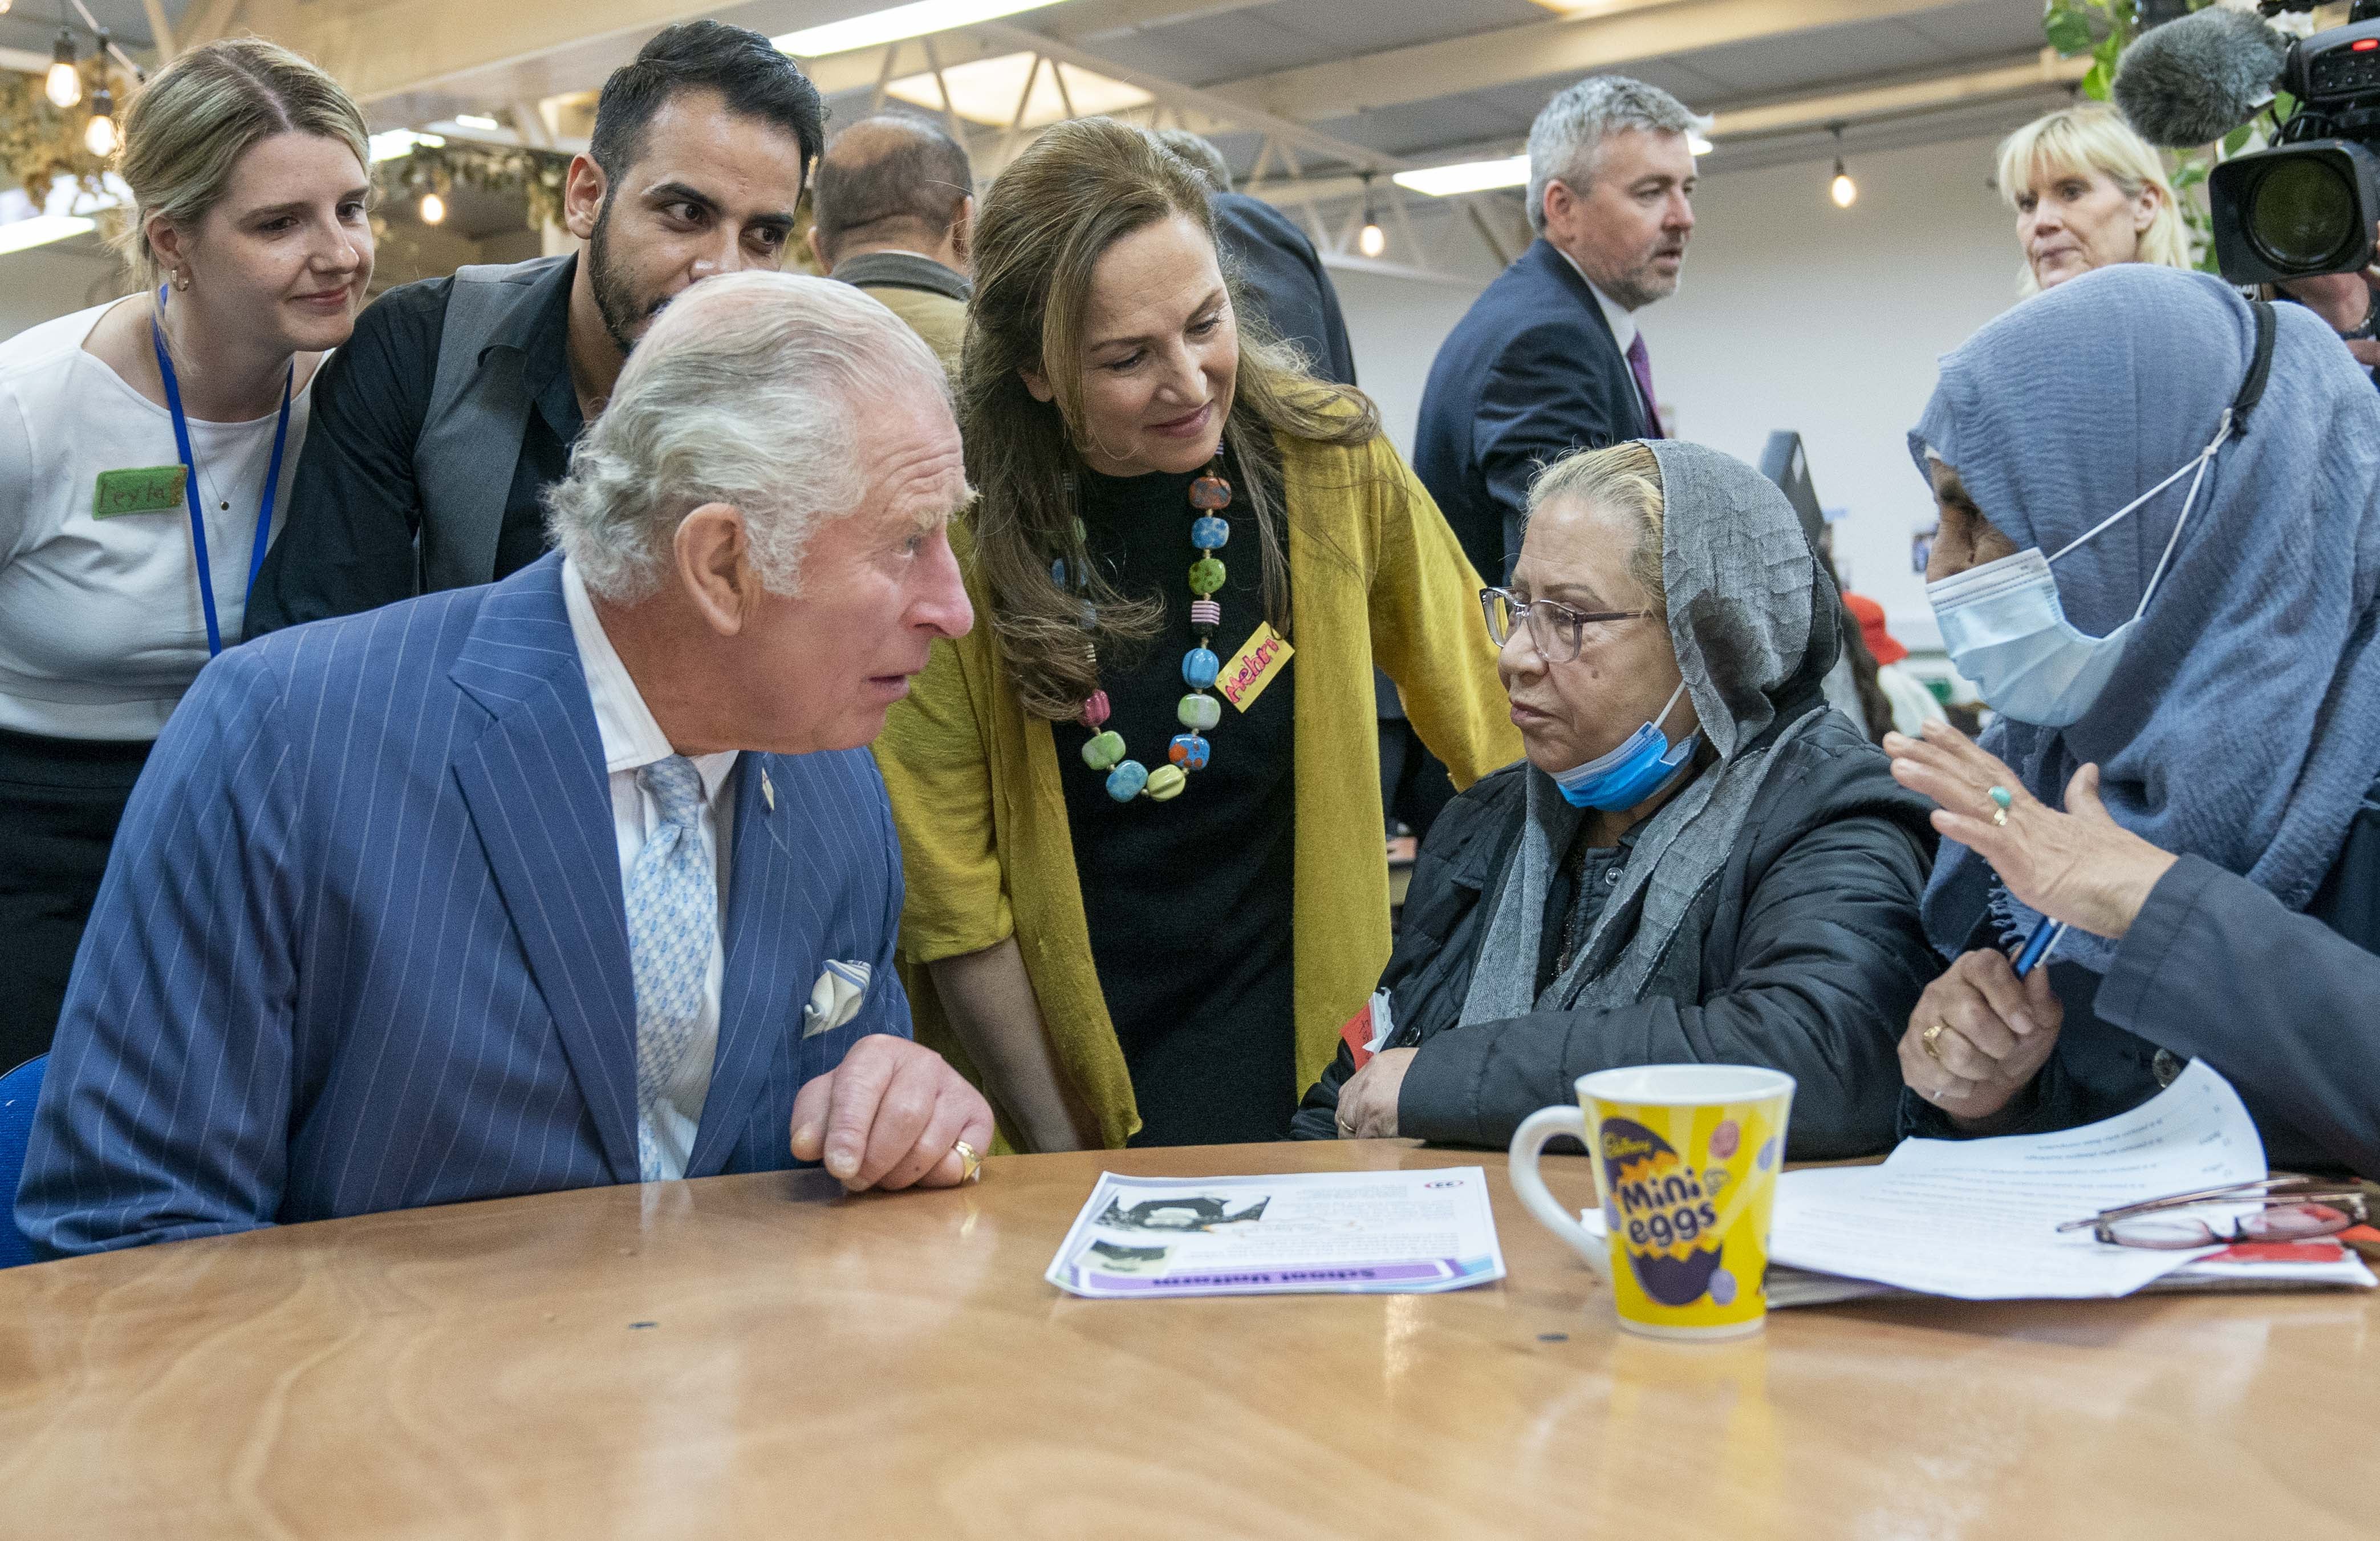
x=2289, y=1207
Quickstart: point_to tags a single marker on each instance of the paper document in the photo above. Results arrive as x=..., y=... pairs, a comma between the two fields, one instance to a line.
x=1977, y=1220
x=1341, y=1233
x=2320, y=1265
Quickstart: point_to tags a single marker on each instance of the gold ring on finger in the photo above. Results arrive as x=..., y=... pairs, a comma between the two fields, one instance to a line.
x=2002, y=800
x=1932, y=1040
x=970, y=1162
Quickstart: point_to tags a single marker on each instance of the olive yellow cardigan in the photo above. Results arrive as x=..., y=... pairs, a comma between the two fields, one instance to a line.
x=1376, y=576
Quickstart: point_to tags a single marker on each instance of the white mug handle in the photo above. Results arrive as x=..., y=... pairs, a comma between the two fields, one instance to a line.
x=1527, y=1141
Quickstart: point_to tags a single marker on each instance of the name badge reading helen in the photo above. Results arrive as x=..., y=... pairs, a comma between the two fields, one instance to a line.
x=1256, y=664
x=143, y=490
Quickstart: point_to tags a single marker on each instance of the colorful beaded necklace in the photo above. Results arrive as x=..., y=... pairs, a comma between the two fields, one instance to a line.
x=1197, y=711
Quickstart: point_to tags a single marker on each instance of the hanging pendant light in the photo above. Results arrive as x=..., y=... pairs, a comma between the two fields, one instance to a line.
x=433, y=209
x=62, y=84
x=101, y=136
x=1842, y=189
x=1371, y=240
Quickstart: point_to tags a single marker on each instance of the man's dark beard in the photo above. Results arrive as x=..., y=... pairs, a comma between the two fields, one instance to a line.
x=614, y=300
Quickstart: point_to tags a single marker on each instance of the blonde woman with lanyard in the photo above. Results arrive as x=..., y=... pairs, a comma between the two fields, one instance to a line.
x=144, y=448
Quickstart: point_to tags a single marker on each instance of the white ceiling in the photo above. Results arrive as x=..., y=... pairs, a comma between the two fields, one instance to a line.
x=1345, y=85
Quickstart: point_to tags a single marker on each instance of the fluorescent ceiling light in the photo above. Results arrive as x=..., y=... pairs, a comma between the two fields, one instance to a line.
x=986, y=91
x=1469, y=176
x=63, y=214
x=900, y=21
x=40, y=230
x=399, y=142
x=475, y=120
x=1698, y=144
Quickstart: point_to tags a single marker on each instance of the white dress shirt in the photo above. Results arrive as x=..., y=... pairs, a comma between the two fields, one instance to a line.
x=1623, y=328
x=1623, y=322
x=632, y=740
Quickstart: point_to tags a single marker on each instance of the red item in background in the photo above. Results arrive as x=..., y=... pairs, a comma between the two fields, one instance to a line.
x=2323, y=1251
x=1357, y=1035
x=1871, y=619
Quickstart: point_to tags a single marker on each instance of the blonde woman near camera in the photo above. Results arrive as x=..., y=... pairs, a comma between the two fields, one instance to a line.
x=2088, y=192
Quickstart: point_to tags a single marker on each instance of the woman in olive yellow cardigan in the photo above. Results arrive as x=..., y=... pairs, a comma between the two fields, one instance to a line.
x=1145, y=882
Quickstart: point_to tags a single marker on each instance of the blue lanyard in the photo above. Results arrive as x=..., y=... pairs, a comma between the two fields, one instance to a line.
x=190, y=480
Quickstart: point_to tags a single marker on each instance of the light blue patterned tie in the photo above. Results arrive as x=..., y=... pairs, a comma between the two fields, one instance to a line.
x=673, y=926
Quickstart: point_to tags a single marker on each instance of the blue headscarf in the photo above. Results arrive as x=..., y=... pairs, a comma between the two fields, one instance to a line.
x=2243, y=723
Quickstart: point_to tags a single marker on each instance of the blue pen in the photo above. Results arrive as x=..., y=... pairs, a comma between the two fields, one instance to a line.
x=2036, y=946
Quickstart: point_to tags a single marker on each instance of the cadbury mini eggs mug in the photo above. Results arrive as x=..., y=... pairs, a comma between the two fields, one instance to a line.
x=1686, y=1159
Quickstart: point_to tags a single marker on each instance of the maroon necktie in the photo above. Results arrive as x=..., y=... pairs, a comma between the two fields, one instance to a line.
x=1639, y=364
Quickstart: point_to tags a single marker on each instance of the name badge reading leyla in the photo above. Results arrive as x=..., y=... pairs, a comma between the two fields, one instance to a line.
x=1256, y=664
x=143, y=490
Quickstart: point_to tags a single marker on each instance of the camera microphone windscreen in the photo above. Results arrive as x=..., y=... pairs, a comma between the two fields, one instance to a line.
x=2195, y=79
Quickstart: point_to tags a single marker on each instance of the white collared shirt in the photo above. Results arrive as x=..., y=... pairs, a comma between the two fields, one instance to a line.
x=632, y=740
x=1623, y=324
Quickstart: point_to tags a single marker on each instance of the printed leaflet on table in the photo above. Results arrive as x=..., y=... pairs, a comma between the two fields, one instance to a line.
x=1344, y=1232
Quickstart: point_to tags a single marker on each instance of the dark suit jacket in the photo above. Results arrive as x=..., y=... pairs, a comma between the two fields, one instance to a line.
x=362, y=944
x=1283, y=274
x=1530, y=373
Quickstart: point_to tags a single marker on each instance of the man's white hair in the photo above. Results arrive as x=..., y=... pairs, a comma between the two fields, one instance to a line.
x=750, y=390
x=1567, y=138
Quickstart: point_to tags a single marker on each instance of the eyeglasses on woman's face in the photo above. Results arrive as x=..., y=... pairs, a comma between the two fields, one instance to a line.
x=1558, y=630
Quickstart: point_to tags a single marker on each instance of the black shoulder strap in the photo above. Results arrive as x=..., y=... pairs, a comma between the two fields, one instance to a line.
x=2251, y=390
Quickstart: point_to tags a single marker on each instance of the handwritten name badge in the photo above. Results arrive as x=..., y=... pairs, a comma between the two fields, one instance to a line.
x=1256, y=664
x=143, y=490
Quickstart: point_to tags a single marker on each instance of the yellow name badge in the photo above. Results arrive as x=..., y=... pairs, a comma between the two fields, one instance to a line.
x=1256, y=664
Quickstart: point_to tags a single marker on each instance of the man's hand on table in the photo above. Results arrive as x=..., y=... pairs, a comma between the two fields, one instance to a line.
x=891, y=1116
x=1368, y=1103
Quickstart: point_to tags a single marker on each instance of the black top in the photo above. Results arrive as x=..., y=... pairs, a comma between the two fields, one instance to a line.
x=2217, y=966
x=1189, y=901
x=1812, y=956
x=354, y=509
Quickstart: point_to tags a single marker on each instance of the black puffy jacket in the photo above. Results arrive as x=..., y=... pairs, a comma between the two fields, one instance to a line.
x=1814, y=958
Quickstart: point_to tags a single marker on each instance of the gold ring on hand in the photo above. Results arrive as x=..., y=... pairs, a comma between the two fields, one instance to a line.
x=1931, y=1038
x=970, y=1162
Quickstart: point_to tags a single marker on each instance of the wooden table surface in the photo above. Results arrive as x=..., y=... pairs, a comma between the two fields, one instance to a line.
x=763, y=1356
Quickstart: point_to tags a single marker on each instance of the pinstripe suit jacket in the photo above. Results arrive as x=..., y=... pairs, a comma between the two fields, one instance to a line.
x=362, y=944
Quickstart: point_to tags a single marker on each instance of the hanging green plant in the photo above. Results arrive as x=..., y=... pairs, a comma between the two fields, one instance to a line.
x=536, y=177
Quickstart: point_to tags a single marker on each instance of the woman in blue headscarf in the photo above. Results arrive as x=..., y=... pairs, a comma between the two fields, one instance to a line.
x=2159, y=559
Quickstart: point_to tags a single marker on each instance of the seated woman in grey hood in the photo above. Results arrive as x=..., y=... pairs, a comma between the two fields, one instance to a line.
x=1698, y=861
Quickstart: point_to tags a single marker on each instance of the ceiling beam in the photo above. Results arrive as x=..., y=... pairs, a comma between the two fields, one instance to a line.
x=492, y=54
x=387, y=48
x=1848, y=107
x=1084, y=24
x=1643, y=30
x=1738, y=126
x=1093, y=22
x=1239, y=115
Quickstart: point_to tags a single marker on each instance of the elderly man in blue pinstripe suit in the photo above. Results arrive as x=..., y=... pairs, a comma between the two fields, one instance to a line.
x=583, y=877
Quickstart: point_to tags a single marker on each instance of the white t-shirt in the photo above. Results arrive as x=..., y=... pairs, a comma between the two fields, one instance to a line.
x=100, y=625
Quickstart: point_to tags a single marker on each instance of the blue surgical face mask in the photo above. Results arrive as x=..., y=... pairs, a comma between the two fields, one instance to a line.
x=1643, y=766
x=2005, y=629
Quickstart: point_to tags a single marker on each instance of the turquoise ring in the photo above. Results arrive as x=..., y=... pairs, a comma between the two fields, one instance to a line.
x=2002, y=800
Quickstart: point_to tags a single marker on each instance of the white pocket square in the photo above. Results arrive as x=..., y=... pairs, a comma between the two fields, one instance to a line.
x=836, y=997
